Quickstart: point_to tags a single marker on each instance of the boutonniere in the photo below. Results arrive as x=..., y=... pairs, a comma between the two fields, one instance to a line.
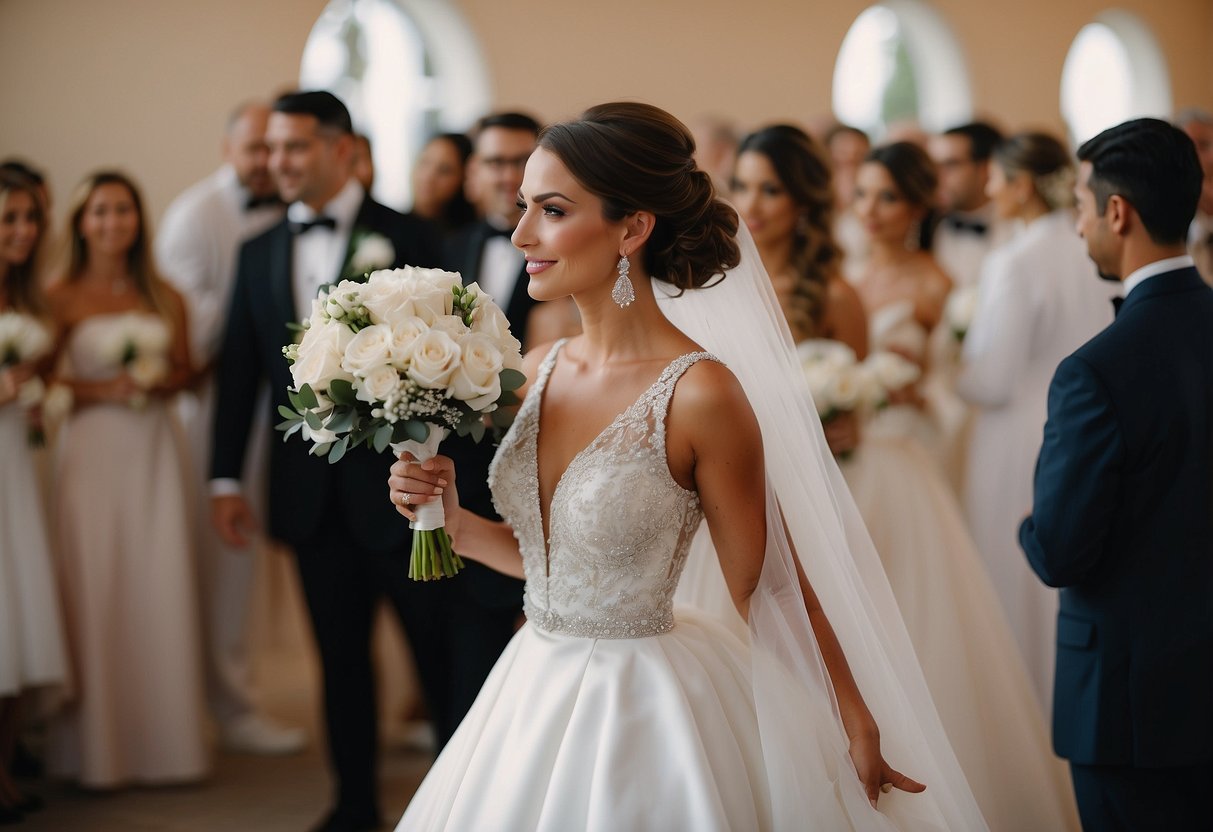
x=369, y=252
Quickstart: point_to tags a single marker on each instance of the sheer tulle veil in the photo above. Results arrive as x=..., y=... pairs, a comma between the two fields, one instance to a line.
x=740, y=321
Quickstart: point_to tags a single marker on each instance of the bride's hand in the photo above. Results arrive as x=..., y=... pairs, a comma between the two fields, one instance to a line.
x=414, y=483
x=876, y=775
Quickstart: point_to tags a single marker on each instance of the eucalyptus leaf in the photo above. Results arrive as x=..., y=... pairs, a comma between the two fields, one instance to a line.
x=417, y=431
x=511, y=379
x=313, y=420
x=296, y=402
x=338, y=450
x=322, y=448
x=342, y=419
x=508, y=399
x=307, y=396
x=478, y=431
x=342, y=392
x=286, y=413
x=383, y=437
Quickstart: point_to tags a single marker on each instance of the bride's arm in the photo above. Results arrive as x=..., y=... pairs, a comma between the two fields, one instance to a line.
x=490, y=542
x=725, y=449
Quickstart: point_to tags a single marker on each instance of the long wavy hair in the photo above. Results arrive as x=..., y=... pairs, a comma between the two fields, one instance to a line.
x=21, y=280
x=801, y=165
x=139, y=262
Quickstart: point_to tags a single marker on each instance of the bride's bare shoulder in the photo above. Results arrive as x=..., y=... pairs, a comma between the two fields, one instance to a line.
x=708, y=398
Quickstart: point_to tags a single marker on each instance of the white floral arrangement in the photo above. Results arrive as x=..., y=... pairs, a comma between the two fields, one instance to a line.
x=960, y=310
x=139, y=342
x=839, y=383
x=23, y=338
x=400, y=361
x=369, y=251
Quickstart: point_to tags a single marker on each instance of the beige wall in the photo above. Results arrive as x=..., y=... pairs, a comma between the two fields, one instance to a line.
x=146, y=84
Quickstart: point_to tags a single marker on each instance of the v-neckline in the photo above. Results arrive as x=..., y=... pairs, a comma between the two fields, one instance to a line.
x=540, y=392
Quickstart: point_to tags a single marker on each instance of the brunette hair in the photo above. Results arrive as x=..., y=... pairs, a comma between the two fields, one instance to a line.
x=636, y=157
x=803, y=170
x=329, y=111
x=983, y=138
x=1045, y=160
x=914, y=175
x=20, y=285
x=139, y=260
x=458, y=211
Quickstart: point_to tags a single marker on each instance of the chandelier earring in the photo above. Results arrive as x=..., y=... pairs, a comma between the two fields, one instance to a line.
x=623, y=293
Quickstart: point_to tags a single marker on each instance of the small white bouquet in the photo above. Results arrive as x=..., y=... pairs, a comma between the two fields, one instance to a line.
x=840, y=383
x=139, y=342
x=23, y=338
x=400, y=361
x=960, y=310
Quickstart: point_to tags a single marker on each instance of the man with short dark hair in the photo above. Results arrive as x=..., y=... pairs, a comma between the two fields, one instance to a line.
x=1123, y=513
x=351, y=547
x=1198, y=124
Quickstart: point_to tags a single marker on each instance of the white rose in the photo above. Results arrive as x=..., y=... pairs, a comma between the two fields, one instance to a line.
x=511, y=354
x=452, y=325
x=478, y=381
x=435, y=358
x=376, y=385
x=146, y=370
x=892, y=371
x=437, y=278
x=149, y=334
x=387, y=296
x=405, y=333
x=57, y=403
x=430, y=302
x=320, y=437
x=369, y=348
x=482, y=297
x=374, y=252
x=844, y=390
x=817, y=381
x=833, y=354
x=490, y=320
x=320, y=355
x=28, y=338
x=32, y=392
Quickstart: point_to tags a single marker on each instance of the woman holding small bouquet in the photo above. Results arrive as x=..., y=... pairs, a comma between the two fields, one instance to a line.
x=123, y=524
x=32, y=656
x=610, y=709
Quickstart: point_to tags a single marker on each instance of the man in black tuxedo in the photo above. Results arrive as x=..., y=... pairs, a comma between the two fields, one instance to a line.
x=1123, y=513
x=350, y=545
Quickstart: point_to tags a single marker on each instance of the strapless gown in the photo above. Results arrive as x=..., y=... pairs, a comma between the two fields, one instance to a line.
x=129, y=588
x=969, y=656
x=611, y=710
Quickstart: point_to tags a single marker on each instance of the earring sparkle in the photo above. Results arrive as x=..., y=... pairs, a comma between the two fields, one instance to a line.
x=623, y=293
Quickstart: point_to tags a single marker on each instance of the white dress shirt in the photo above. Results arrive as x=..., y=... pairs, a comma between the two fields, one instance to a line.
x=961, y=252
x=500, y=265
x=196, y=250
x=319, y=253
x=1154, y=269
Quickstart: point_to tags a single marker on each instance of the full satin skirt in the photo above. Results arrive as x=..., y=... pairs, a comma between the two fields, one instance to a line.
x=968, y=655
x=129, y=586
x=655, y=733
x=32, y=651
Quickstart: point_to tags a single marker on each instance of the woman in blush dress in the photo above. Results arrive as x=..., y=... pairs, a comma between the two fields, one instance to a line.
x=610, y=709
x=32, y=657
x=969, y=656
x=1039, y=300
x=122, y=521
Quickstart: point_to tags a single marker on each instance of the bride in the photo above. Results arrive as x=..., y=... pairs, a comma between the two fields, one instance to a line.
x=607, y=710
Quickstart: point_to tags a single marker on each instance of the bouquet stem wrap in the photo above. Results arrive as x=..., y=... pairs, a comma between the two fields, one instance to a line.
x=433, y=556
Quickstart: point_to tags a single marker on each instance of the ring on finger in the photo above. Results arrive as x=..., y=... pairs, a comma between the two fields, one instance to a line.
x=406, y=499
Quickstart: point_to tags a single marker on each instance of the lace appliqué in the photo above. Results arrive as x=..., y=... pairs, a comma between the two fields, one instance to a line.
x=621, y=526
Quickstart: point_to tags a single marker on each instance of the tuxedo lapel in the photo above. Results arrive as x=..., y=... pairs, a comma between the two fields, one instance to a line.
x=282, y=284
x=475, y=251
x=1180, y=280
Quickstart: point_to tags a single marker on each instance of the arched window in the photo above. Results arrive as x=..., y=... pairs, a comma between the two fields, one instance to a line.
x=899, y=62
x=406, y=69
x=1114, y=71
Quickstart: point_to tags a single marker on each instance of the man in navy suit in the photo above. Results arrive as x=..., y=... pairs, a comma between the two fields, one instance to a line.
x=351, y=547
x=1123, y=514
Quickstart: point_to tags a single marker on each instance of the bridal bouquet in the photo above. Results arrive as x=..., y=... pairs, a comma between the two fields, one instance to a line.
x=23, y=338
x=400, y=361
x=840, y=383
x=138, y=342
x=960, y=310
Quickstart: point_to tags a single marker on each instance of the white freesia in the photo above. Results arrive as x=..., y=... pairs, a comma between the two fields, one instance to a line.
x=435, y=359
x=344, y=298
x=320, y=356
x=370, y=348
x=374, y=251
x=378, y=384
x=405, y=333
x=478, y=379
x=147, y=369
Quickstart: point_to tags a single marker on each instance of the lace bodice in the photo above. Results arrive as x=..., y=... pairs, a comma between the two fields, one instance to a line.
x=620, y=525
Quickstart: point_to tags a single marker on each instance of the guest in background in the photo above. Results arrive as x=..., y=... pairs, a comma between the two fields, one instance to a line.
x=362, y=166
x=1039, y=300
x=32, y=656
x=123, y=518
x=715, y=148
x=969, y=656
x=34, y=175
x=1123, y=511
x=349, y=549
x=1198, y=124
x=781, y=188
x=439, y=178
x=196, y=249
x=847, y=146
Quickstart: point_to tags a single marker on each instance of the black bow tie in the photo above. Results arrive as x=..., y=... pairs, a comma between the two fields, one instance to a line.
x=961, y=224
x=304, y=227
x=494, y=231
x=271, y=201
x=1116, y=304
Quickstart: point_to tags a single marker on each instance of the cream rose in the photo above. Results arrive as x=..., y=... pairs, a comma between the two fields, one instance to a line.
x=452, y=325
x=435, y=358
x=320, y=355
x=477, y=381
x=404, y=335
x=429, y=302
x=437, y=278
x=379, y=383
x=370, y=348
x=490, y=320
x=387, y=296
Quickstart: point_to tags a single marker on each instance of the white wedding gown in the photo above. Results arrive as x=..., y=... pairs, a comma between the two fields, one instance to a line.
x=612, y=711
x=969, y=656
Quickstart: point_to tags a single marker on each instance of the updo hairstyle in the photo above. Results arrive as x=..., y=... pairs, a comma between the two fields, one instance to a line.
x=1045, y=160
x=636, y=157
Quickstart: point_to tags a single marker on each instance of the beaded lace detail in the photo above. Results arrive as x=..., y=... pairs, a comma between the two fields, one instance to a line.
x=620, y=524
